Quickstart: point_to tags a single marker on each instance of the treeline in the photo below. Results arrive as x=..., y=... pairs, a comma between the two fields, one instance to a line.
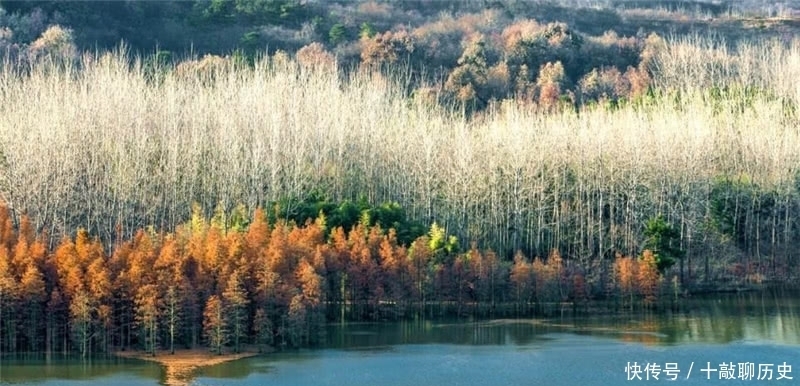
x=456, y=53
x=480, y=57
x=233, y=281
x=107, y=144
x=220, y=26
x=691, y=152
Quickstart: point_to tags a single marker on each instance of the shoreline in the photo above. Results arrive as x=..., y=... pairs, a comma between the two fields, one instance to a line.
x=179, y=367
x=186, y=357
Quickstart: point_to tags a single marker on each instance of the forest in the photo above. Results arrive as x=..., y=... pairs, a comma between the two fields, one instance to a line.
x=410, y=160
x=234, y=281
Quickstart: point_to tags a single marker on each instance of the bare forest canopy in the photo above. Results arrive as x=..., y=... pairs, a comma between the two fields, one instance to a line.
x=500, y=129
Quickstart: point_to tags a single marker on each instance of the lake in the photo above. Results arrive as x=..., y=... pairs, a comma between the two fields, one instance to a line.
x=744, y=336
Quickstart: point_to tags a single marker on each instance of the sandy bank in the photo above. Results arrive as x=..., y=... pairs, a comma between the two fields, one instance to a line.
x=179, y=367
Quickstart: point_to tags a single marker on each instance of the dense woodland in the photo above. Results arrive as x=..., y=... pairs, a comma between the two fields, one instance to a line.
x=386, y=161
x=463, y=52
x=237, y=281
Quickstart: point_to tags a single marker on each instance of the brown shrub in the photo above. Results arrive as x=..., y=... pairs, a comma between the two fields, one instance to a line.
x=606, y=83
x=639, y=81
x=388, y=47
x=519, y=31
x=56, y=42
x=315, y=55
x=550, y=84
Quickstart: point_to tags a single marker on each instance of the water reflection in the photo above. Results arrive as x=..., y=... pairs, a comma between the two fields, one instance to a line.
x=718, y=324
x=749, y=317
x=27, y=369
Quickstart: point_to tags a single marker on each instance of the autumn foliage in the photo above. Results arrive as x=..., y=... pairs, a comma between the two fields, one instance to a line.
x=224, y=286
x=636, y=278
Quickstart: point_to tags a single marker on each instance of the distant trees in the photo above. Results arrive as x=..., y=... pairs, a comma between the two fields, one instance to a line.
x=315, y=55
x=337, y=34
x=542, y=192
x=55, y=43
x=228, y=285
x=604, y=84
x=468, y=81
x=431, y=38
x=551, y=83
x=387, y=48
x=663, y=241
x=521, y=176
x=637, y=278
x=648, y=277
x=522, y=279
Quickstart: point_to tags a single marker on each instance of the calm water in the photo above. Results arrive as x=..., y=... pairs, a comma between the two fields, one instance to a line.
x=751, y=328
